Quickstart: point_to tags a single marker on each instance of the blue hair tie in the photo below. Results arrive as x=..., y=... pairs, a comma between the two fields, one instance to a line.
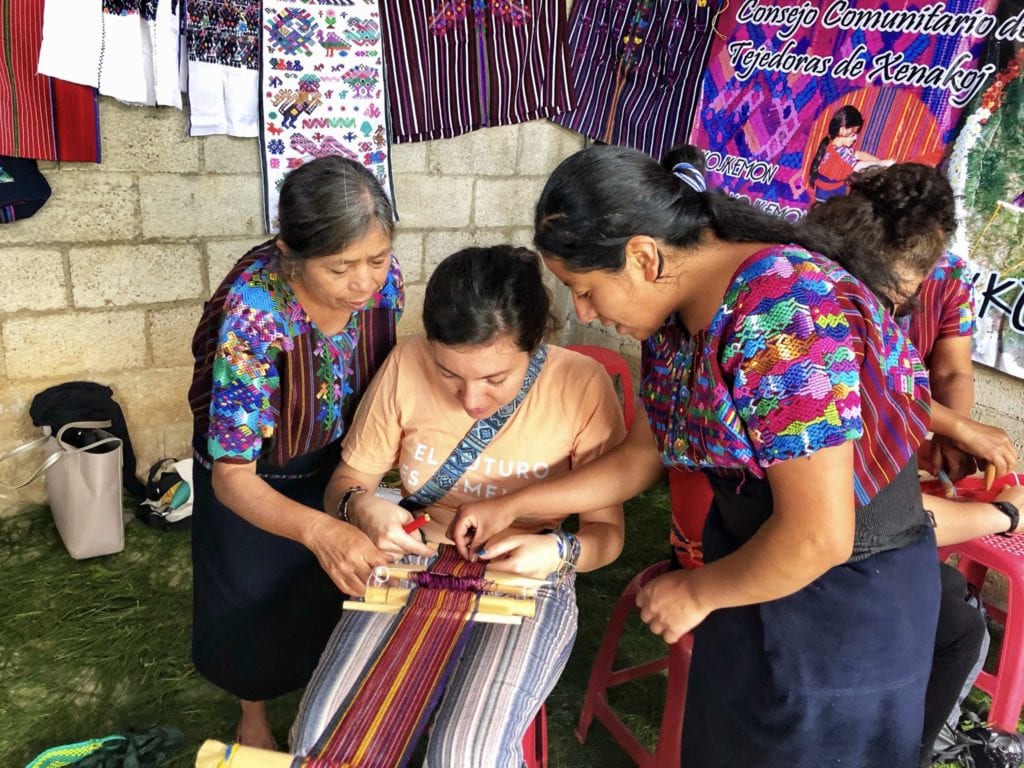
x=690, y=176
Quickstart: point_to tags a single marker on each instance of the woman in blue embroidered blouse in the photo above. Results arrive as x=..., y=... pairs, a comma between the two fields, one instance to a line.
x=776, y=373
x=284, y=350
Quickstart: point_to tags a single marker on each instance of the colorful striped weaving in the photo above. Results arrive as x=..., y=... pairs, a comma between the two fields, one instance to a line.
x=380, y=722
x=40, y=118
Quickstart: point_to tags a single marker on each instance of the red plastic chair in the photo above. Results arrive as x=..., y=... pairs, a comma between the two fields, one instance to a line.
x=691, y=499
x=535, y=741
x=616, y=365
x=1006, y=555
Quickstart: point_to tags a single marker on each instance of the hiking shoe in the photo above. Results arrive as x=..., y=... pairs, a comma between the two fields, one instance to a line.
x=991, y=747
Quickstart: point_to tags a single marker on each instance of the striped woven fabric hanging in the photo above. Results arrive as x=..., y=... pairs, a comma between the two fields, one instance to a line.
x=382, y=719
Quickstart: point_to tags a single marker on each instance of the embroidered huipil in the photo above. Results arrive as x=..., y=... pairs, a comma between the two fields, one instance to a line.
x=128, y=49
x=268, y=383
x=223, y=66
x=945, y=306
x=636, y=69
x=456, y=66
x=836, y=166
x=799, y=357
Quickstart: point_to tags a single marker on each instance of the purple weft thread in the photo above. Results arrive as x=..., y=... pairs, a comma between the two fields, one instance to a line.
x=431, y=580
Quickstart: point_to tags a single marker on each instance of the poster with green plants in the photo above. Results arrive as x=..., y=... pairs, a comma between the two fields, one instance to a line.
x=986, y=170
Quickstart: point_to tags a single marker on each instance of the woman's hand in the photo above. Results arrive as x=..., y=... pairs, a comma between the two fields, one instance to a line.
x=989, y=444
x=669, y=607
x=477, y=522
x=344, y=552
x=533, y=554
x=945, y=455
x=382, y=522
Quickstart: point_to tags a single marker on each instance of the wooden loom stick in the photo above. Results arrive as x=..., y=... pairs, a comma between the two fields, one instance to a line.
x=515, y=596
x=491, y=609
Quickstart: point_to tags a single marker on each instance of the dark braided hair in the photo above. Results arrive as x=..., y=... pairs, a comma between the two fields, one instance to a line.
x=600, y=197
x=845, y=117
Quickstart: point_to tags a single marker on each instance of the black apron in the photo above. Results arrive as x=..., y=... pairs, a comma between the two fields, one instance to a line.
x=833, y=675
x=263, y=608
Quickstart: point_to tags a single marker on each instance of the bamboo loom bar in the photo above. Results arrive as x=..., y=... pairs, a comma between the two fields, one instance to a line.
x=490, y=609
x=515, y=596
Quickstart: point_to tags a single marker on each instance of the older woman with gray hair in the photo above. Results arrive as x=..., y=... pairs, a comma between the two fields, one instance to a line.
x=283, y=352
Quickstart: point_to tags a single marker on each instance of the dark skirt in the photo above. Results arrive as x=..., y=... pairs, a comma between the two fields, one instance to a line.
x=263, y=607
x=833, y=675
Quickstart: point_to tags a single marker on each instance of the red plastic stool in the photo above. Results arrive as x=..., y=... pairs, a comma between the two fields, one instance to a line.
x=535, y=741
x=691, y=499
x=1006, y=555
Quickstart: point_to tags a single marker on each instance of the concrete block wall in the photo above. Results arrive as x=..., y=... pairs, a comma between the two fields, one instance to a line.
x=106, y=282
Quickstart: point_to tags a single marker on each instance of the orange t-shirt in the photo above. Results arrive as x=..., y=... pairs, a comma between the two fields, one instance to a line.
x=407, y=420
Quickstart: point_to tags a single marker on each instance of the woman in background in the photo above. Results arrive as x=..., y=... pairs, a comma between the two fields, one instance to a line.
x=895, y=224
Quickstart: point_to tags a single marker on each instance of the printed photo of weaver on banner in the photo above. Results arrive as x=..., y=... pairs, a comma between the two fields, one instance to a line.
x=797, y=97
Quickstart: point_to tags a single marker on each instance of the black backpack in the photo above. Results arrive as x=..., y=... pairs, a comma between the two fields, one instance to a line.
x=87, y=401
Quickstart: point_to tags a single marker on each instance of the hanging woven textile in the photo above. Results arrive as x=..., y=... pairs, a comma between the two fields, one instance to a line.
x=457, y=66
x=322, y=89
x=386, y=712
x=40, y=118
x=128, y=49
x=636, y=69
x=223, y=39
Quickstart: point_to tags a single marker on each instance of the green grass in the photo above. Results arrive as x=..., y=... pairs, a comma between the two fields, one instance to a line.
x=89, y=648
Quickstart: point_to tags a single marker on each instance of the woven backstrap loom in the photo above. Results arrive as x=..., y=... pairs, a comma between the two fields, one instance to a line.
x=385, y=714
x=381, y=719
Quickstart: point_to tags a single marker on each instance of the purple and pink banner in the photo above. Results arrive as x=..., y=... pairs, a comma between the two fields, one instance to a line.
x=799, y=95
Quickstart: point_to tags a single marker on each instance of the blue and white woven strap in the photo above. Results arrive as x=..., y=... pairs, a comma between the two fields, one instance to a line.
x=473, y=444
